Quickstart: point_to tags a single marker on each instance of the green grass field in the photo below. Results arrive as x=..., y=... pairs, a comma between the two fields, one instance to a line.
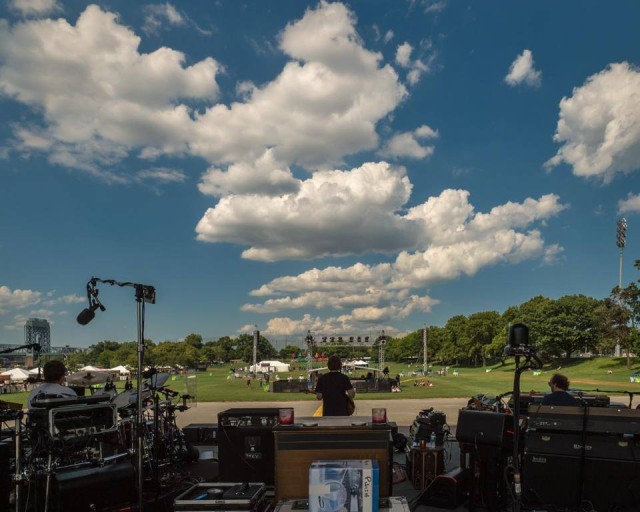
x=588, y=375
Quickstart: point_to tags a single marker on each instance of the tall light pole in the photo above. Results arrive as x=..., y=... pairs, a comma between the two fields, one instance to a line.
x=256, y=337
x=621, y=241
x=425, y=361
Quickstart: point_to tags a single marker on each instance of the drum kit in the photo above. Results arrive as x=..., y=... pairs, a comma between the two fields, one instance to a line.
x=60, y=436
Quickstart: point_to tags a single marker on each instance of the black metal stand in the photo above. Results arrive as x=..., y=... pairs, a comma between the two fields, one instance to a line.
x=144, y=294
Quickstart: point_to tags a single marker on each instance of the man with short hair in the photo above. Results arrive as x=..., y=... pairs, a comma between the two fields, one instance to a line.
x=54, y=375
x=332, y=388
x=559, y=395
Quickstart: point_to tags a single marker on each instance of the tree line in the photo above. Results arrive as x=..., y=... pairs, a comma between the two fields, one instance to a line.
x=559, y=328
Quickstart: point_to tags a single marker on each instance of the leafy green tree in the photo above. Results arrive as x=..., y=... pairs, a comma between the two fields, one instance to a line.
x=455, y=347
x=481, y=328
x=195, y=340
x=288, y=351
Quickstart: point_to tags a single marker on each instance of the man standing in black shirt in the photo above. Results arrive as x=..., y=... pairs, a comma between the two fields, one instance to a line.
x=333, y=388
x=559, y=394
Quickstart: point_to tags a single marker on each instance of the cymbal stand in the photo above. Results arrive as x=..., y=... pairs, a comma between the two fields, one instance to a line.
x=48, y=484
x=18, y=458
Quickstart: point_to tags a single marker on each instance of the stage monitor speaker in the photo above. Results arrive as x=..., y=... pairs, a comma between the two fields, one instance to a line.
x=560, y=481
x=246, y=450
x=448, y=490
x=484, y=427
x=77, y=490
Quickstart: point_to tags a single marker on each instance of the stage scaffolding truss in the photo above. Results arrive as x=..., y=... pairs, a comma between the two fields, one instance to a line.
x=315, y=343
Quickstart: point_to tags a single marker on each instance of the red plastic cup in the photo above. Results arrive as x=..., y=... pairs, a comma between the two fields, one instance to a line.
x=378, y=415
x=286, y=416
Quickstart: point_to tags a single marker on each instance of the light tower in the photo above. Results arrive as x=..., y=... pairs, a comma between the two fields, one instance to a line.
x=621, y=241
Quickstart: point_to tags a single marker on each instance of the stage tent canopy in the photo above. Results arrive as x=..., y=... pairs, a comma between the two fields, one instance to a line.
x=270, y=366
x=122, y=370
x=16, y=374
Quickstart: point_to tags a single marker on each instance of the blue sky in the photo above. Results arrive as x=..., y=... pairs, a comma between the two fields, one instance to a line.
x=335, y=167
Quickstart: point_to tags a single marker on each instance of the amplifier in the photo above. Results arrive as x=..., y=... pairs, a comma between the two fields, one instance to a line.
x=554, y=481
x=484, y=427
x=601, y=420
x=240, y=497
x=530, y=402
x=596, y=446
x=246, y=446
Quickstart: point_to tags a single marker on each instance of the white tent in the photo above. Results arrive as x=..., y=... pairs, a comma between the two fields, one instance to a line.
x=122, y=370
x=90, y=368
x=35, y=371
x=119, y=372
x=16, y=374
x=270, y=366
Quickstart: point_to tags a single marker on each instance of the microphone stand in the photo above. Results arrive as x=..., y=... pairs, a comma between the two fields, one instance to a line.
x=140, y=415
x=144, y=294
x=529, y=356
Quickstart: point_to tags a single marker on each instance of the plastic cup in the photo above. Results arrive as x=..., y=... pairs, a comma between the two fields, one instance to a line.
x=378, y=415
x=285, y=416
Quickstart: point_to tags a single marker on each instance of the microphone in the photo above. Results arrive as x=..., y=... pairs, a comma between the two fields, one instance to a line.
x=36, y=346
x=87, y=314
x=147, y=374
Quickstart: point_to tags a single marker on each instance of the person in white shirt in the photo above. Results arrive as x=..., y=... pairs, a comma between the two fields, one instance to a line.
x=53, y=387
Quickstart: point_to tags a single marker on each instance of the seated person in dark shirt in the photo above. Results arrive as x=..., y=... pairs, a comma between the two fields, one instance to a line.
x=559, y=394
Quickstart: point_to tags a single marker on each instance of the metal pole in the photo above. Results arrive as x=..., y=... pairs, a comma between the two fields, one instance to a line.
x=425, y=361
x=621, y=241
x=140, y=417
x=256, y=335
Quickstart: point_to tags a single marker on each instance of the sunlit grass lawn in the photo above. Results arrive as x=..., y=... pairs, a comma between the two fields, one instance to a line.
x=216, y=385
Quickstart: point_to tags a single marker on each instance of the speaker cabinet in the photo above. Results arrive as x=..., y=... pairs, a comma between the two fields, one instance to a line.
x=484, y=427
x=448, y=490
x=245, y=445
x=102, y=487
x=564, y=481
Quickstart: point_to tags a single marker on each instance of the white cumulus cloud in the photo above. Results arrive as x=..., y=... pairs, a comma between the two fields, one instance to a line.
x=16, y=299
x=453, y=241
x=332, y=212
x=629, y=205
x=407, y=144
x=35, y=7
x=99, y=96
x=599, y=125
x=522, y=71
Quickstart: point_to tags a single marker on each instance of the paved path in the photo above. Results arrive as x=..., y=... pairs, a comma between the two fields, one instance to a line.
x=401, y=411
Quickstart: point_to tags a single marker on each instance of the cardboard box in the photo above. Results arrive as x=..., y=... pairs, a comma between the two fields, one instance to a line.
x=391, y=504
x=344, y=486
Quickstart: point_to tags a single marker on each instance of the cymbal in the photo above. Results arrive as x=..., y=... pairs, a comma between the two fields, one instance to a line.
x=87, y=378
